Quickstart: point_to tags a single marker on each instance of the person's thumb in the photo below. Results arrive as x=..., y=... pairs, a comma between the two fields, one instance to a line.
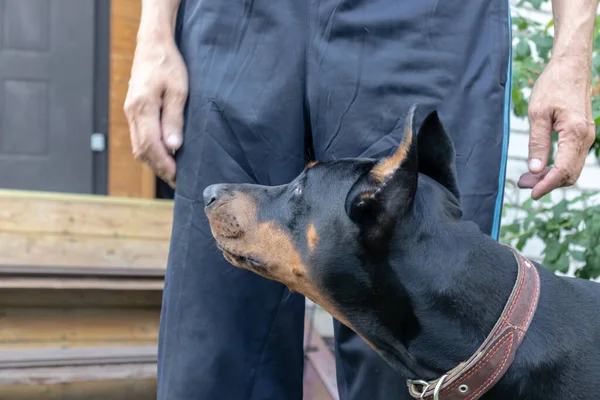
x=540, y=139
x=172, y=118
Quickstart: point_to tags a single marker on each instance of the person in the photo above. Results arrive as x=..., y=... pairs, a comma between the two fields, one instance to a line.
x=249, y=91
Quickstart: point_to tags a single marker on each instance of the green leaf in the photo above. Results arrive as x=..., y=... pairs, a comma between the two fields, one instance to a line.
x=576, y=219
x=523, y=49
x=513, y=228
x=579, y=239
x=520, y=108
x=553, y=252
x=521, y=243
x=516, y=93
x=578, y=255
x=543, y=44
x=562, y=264
x=583, y=273
x=596, y=60
x=593, y=265
x=521, y=23
x=546, y=199
x=596, y=42
x=560, y=208
x=537, y=4
x=528, y=220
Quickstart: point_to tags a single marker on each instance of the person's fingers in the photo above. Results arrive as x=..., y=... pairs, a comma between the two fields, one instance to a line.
x=529, y=180
x=146, y=142
x=553, y=179
x=150, y=148
x=574, y=142
x=172, y=116
x=540, y=140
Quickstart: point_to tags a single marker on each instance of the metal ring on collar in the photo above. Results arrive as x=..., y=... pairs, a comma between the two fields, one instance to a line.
x=438, y=387
x=424, y=384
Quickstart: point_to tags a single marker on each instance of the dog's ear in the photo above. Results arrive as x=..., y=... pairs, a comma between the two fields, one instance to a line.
x=387, y=190
x=436, y=153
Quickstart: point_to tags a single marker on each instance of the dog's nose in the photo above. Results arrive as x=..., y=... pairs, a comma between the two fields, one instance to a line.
x=210, y=194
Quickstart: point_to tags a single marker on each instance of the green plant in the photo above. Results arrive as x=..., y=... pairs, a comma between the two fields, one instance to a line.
x=570, y=229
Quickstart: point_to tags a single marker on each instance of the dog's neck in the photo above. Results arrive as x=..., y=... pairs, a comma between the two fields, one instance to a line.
x=456, y=278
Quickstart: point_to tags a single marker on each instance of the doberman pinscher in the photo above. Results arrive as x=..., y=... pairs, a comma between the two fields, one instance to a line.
x=380, y=244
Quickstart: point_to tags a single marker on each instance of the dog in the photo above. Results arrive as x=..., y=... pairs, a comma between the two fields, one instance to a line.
x=382, y=246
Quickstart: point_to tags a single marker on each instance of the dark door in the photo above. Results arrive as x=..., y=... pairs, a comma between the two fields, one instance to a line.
x=46, y=94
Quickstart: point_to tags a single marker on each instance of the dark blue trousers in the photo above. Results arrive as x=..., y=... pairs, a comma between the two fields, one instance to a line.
x=274, y=82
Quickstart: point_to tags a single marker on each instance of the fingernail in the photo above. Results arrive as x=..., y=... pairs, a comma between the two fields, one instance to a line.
x=173, y=140
x=535, y=165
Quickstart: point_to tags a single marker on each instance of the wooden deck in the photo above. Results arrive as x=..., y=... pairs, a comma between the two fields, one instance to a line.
x=81, y=282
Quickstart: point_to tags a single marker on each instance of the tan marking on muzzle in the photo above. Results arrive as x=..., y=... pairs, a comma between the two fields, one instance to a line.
x=231, y=216
x=234, y=225
x=268, y=243
x=275, y=247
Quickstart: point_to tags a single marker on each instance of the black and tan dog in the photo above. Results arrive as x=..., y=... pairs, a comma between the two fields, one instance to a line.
x=380, y=244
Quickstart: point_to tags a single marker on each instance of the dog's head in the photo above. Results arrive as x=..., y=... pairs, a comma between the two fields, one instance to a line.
x=326, y=233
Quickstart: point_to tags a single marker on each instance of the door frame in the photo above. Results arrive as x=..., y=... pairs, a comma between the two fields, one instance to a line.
x=101, y=94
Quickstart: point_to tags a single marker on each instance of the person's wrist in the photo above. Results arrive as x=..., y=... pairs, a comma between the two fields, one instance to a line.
x=578, y=63
x=155, y=33
x=579, y=57
x=574, y=45
x=157, y=25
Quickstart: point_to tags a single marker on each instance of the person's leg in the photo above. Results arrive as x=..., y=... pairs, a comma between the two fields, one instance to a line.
x=369, y=61
x=226, y=333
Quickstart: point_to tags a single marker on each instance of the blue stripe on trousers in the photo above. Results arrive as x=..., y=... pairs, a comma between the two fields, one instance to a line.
x=505, y=140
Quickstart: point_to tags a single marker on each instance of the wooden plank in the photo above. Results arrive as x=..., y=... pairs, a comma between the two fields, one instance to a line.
x=60, y=357
x=67, y=214
x=321, y=358
x=126, y=176
x=81, y=298
x=81, y=283
x=69, y=327
x=60, y=375
x=98, y=390
x=76, y=251
x=28, y=271
x=75, y=345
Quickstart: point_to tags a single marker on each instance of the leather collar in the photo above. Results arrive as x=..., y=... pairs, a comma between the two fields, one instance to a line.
x=471, y=379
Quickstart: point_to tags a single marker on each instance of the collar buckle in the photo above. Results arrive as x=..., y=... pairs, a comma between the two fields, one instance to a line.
x=416, y=384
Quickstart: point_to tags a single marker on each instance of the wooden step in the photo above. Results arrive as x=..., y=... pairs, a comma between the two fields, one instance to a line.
x=57, y=366
x=82, y=235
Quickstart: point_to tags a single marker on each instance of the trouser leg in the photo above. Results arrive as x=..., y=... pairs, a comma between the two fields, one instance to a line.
x=226, y=333
x=368, y=62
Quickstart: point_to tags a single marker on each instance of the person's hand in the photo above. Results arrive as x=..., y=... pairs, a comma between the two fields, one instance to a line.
x=561, y=102
x=154, y=105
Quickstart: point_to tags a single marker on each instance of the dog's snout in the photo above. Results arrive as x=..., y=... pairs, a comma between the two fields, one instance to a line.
x=210, y=194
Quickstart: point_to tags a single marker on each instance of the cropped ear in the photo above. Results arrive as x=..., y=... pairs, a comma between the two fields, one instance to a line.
x=437, y=157
x=387, y=190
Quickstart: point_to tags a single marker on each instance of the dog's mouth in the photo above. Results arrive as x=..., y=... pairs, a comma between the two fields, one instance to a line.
x=240, y=259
